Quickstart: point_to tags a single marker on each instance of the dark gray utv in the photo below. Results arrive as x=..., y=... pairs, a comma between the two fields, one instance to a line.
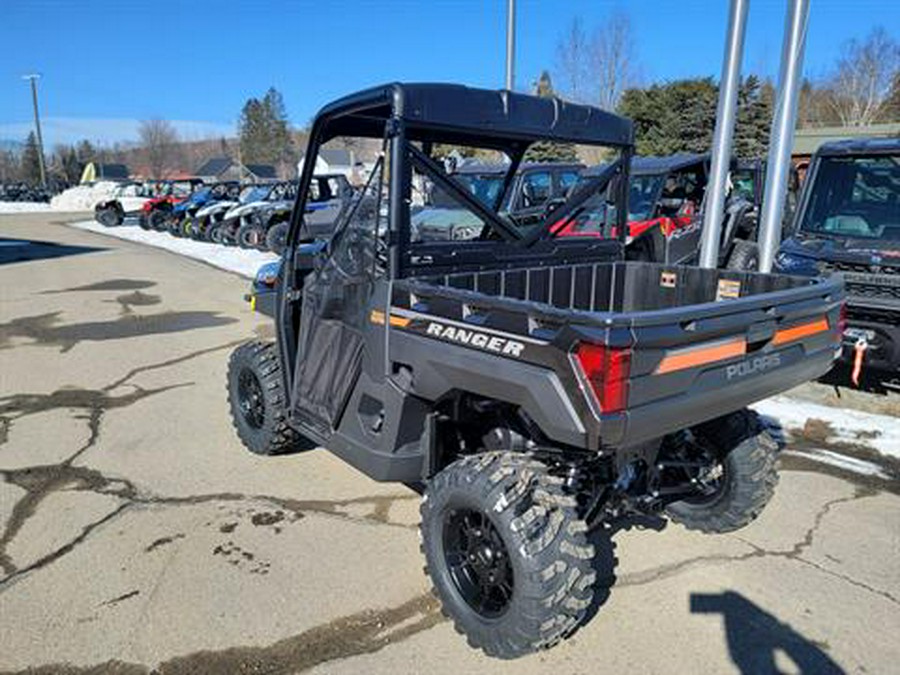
x=536, y=388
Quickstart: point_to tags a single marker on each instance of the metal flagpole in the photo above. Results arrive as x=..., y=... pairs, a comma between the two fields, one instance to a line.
x=510, y=43
x=724, y=132
x=781, y=137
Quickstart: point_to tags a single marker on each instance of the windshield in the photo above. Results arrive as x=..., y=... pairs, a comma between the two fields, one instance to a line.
x=255, y=193
x=643, y=193
x=856, y=197
x=485, y=187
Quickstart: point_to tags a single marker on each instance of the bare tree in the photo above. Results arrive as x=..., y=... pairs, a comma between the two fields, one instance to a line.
x=612, y=59
x=861, y=83
x=160, y=142
x=597, y=68
x=572, y=62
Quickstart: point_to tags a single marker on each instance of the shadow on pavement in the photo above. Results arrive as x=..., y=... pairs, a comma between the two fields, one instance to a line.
x=755, y=637
x=24, y=250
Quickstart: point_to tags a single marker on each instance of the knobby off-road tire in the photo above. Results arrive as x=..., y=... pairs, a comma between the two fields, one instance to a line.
x=744, y=256
x=748, y=454
x=109, y=217
x=528, y=529
x=256, y=399
x=250, y=235
x=158, y=220
x=276, y=238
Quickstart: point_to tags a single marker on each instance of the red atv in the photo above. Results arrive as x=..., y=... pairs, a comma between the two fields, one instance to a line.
x=156, y=212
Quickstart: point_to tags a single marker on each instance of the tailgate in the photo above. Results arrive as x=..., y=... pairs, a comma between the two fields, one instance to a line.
x=697, y=365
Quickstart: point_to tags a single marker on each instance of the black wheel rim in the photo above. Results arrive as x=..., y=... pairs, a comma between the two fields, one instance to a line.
x=250, y=398
x=478, y=561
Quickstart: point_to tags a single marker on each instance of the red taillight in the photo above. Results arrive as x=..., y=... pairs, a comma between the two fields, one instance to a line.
x=606, y=369
x=842, y=320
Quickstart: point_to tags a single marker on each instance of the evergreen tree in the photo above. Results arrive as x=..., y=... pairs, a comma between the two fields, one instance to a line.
x=265, y=136
x=31, y=163
x=754, y=118
x=681, y=116
x=548, y=151
x=86, y=151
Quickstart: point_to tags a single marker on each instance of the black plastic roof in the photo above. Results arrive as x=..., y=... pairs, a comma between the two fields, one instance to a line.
x=488, y=168
x=661, y=165
x=860, y=146
x=460, y=114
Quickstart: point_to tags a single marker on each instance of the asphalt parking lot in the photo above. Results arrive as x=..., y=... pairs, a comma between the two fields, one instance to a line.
x=137, y=535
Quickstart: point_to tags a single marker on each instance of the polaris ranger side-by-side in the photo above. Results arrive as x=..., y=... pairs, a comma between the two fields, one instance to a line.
x=848, y=222
x=537, y=386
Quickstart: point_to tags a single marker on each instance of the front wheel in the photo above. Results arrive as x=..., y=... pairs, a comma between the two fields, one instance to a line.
x=507, y=553
x=109, y=216
x=158, y=220
x=249, y=235
x=276, y=239
x=739, y=480
x=257, y=401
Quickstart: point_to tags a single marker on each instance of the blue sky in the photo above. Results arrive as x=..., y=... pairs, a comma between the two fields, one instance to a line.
x=107, y=64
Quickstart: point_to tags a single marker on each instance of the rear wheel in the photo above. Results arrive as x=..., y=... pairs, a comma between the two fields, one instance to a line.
x=739, y=480
x=256, y=398
x=276, y=239
x=744, y=256
x=507, y=553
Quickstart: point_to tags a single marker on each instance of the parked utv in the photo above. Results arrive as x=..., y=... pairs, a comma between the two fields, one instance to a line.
x=156, y=212
x=848, y=221
x=239, y=226
x=538, y=386
x=183, y=212
x=329, y=195
x=665, y=219
x=127, y=201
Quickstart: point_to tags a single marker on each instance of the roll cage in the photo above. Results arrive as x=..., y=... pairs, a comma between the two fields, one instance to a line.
x=412, y=118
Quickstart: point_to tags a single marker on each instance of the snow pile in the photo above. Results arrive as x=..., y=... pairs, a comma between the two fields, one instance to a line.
x=83, y=197
x=233, y=259
x=879, y=432
x=23, y=207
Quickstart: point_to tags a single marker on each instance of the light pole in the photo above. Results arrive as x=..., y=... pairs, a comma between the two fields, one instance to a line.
x=510, y=43
x=37, y=125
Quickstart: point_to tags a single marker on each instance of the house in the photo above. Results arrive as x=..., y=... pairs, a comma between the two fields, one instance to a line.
x=807, y=141
x=333, y=160
x=225, y=168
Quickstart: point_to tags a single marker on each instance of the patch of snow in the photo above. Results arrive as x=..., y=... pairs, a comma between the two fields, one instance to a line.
x=241, y=261
x=880, y=432
x=83, y=197
x=845, y=462
x=23, y=207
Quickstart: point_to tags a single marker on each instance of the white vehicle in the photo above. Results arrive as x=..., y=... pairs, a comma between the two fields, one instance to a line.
x=126, y=201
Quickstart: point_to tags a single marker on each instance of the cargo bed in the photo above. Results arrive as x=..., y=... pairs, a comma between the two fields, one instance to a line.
x=701, y=342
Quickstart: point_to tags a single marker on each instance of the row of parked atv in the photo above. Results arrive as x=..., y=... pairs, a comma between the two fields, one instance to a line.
x=252, y=216
x=24, y=192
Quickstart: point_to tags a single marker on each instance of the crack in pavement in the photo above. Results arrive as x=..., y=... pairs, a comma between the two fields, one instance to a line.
x=364, y=632
x=41, y=481
x=794, y=553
